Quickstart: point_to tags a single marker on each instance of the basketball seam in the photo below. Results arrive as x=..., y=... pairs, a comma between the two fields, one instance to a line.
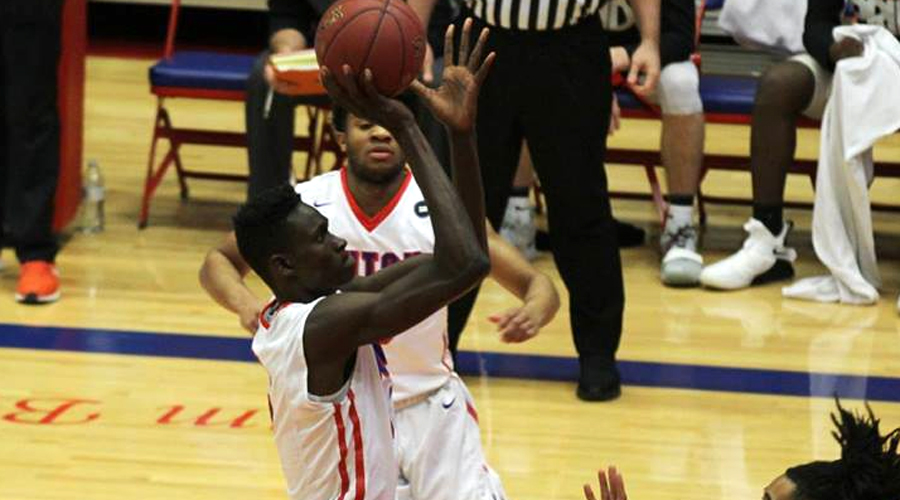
x=365, y=60
x=407, y=15
x=402, y=46
x=341, y=31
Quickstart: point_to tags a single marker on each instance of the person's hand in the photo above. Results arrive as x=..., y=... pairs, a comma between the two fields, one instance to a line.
x=359, y=96
x=518, y=324
x=846, y=48
x=614, y=489
x=621, y=61
x=284, y=42
x=428, y=65
x=644, y=62
x=249, y=317
x=455, y=102
x=615, y=116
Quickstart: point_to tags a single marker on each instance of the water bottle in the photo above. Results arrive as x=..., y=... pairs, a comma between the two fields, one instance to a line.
x=93, y=196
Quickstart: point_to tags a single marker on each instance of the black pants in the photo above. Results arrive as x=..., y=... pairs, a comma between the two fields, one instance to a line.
x=270, y=139
x=29, y=132
x=553, y=89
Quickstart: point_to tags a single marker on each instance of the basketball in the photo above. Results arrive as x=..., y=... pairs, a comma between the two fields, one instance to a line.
x=385, y=36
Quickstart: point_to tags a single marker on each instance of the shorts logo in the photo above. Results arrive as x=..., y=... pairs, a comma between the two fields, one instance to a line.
x=448, y=405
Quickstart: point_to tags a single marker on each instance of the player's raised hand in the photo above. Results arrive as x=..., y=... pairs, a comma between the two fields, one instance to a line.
x=612, y=489
x=359, y=96
x=455, y=102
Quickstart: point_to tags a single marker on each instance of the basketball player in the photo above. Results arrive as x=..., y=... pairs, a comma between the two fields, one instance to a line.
x=869, y=468
x=318, y=339
x=378, y=207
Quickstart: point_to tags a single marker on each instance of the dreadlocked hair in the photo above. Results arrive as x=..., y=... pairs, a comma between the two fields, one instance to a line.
x=869, y=467
x=259, y=223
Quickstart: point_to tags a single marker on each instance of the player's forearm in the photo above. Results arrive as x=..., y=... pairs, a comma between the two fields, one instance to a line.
x=225, y=284
x=467, y=179
x=542, y=298
x=456, y=249
x=821, y=18
x=648, y=12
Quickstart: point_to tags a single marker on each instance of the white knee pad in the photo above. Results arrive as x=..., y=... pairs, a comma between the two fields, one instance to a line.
x=679, y=89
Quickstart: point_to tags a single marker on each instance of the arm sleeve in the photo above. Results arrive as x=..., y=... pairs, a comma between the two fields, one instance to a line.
x=821, y=18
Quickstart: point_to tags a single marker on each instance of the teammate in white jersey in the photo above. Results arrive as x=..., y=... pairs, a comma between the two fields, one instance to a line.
x=377, y=206
x=329, y=384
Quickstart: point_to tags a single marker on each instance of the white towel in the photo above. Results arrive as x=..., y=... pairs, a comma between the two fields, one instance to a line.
x=774, y=25
x=864, y=106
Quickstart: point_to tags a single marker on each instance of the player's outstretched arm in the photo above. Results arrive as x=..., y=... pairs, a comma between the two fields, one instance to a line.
x=345, y=321
x=455, y=104
x=540, y=301
x=222, y=276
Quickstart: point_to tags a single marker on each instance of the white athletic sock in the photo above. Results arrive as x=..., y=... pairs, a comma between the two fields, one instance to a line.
x=679, y=216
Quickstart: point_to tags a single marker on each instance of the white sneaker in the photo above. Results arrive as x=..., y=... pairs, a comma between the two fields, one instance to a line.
x=762, y=259
x=681, y=264
x=518, y=226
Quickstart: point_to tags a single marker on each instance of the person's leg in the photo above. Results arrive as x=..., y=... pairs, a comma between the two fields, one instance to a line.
x=786, y=90
x=31, y=53
x=518, y=221
x=270, y=132
x=499, y=140
x=4, y=140
x=681, y=147
x=567, y=76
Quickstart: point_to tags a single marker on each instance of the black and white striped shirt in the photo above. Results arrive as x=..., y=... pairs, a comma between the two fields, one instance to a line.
x=533, y=14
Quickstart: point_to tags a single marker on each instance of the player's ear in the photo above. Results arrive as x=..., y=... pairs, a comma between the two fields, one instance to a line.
x=281, y=265
x=341, y=139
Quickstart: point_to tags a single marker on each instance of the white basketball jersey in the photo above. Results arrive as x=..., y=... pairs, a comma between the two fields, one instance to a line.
x=339, y=447
x=419, y=359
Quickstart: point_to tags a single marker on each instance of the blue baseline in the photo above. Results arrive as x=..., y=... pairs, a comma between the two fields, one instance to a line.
x=636, y=373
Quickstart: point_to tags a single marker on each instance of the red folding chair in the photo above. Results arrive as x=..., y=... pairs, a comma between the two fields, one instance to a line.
x=212, y=76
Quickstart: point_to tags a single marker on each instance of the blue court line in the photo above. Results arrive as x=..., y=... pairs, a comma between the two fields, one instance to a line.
x=635, y=373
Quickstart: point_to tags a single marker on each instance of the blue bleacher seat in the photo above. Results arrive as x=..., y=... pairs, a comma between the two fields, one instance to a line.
x=720, y=94
x=203, y=70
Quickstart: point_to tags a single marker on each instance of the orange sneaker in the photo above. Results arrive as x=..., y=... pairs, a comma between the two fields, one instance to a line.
x=38, y=283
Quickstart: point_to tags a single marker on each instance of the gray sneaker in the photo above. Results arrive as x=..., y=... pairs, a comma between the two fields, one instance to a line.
x=518, y=226
x=681, y=264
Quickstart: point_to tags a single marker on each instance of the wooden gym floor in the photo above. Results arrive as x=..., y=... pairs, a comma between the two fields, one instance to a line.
x=136, y=385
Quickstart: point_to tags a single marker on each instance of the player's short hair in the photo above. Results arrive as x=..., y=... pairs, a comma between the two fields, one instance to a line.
x=338, y=118
x=259, y=225
x=869, y=467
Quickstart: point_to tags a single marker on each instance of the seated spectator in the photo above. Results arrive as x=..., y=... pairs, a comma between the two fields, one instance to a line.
x=682, y=124
x=799, y=86
x=869, y=468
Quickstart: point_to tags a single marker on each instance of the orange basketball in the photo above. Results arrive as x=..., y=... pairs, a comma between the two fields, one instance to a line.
x=385, y=36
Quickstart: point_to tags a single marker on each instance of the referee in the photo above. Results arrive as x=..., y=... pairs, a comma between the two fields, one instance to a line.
x=551, y=85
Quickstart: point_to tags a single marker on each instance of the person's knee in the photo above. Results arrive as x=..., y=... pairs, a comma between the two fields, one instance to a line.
x=785, y=88
x=679, y=89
